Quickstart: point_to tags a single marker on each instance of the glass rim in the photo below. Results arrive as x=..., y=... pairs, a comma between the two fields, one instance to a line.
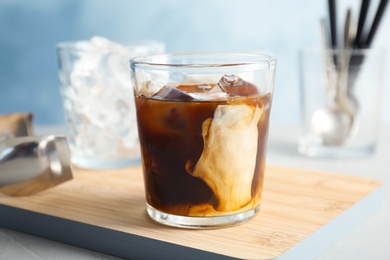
x=248, y=59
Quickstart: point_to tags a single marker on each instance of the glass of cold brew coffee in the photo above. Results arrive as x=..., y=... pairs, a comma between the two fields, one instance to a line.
x=203, y=126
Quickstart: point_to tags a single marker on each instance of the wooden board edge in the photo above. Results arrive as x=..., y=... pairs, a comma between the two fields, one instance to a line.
x=95, y=238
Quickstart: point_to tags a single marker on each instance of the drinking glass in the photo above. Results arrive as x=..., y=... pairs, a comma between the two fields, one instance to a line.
x=98, y=100
x=203, y=126
x=340, y=102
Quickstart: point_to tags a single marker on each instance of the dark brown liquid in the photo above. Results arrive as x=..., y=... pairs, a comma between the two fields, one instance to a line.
x=170, y=133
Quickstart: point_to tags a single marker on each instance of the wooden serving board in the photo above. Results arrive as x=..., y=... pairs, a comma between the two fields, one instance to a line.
x=303, y=212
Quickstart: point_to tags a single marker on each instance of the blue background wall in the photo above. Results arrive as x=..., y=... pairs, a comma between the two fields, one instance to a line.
x=29, y=31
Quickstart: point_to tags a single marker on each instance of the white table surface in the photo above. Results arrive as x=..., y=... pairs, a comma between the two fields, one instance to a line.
x=370, y=240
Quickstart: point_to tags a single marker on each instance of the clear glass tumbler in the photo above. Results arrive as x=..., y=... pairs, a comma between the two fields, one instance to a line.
x=98, y=101
x=340, y=102
x=203, y=126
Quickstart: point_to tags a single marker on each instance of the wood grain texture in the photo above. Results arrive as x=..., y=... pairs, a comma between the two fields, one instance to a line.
x=296, y=203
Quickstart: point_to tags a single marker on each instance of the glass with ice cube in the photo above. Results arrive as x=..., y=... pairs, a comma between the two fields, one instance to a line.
x=98, y=100
x=203, y=127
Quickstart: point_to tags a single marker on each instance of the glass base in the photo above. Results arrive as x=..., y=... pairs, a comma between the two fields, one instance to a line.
x=105, y=164
x=201, y=222
x=335, y=152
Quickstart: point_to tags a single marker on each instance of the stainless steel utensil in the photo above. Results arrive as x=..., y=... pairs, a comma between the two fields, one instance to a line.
x=334, y=122
x=32, y=164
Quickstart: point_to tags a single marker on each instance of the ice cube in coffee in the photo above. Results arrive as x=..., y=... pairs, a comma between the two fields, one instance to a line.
x=203, y=147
